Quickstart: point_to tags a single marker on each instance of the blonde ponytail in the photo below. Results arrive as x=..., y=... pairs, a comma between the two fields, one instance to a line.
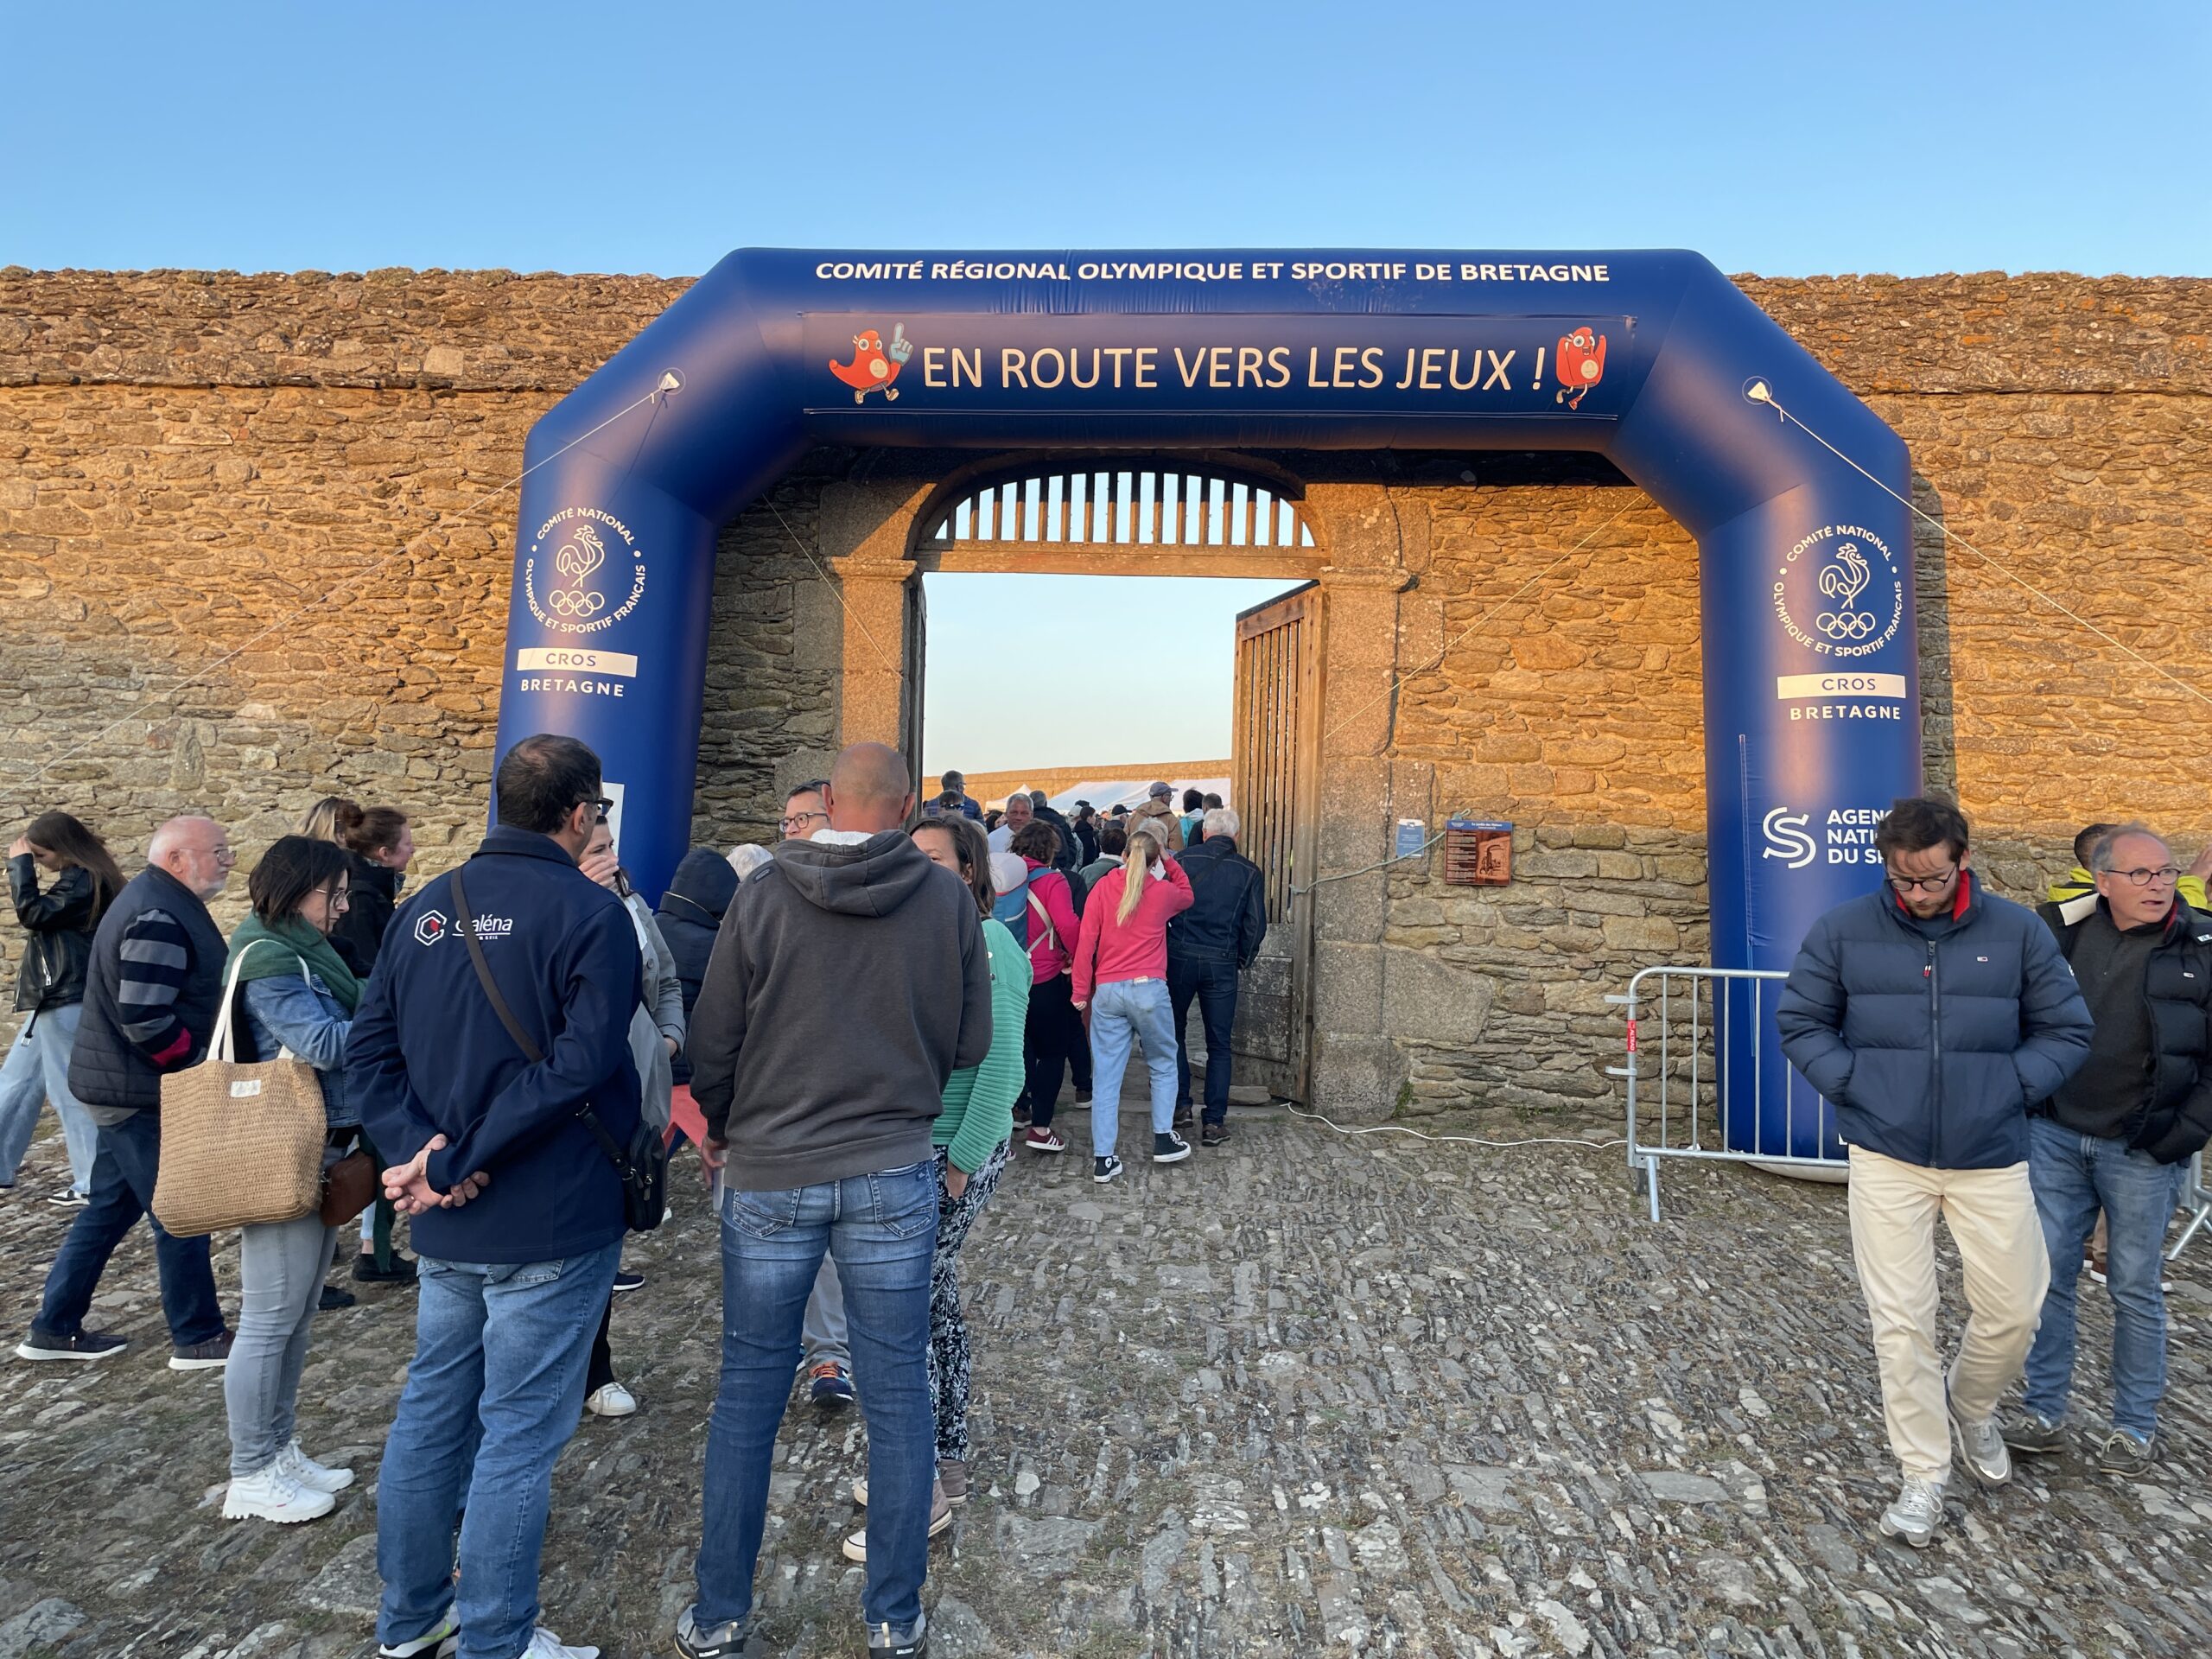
x=1146, y=844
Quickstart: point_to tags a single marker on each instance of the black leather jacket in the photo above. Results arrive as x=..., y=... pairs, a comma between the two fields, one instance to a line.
x=60, y=922
x=2175, y=1120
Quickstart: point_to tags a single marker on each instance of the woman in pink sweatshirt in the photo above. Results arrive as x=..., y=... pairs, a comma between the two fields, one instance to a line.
x=1121, y=987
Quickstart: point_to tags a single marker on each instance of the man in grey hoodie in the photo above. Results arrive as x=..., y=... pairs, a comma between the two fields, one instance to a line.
x=845, y=989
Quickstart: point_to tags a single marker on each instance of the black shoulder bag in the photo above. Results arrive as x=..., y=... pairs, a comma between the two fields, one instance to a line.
x=644, y=1165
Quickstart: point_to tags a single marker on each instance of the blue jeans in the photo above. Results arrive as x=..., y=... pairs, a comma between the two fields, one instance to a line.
x=1129, y=1009
x=37, y=1069
x=123, y=1170
x=281, y=1265
x=493, y=1395
x=2074, y=1175
x=882, y=1230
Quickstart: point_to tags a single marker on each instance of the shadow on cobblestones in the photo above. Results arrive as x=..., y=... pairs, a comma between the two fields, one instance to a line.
x=1299, y=1394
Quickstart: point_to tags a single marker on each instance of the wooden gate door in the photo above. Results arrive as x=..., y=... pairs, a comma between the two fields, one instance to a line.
x=1276, y=753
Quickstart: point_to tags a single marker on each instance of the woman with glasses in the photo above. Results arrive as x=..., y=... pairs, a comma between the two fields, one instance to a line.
x=298, y=995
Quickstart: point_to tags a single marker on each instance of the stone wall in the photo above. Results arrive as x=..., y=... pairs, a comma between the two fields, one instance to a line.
x=191, y=463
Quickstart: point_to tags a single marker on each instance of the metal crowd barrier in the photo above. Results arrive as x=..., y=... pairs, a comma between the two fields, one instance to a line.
x=1691, y=1071
x=1674, y=1050
x=2197, y=1201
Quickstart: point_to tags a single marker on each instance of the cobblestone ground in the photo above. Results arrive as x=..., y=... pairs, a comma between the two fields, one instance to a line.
x=1299, y=1394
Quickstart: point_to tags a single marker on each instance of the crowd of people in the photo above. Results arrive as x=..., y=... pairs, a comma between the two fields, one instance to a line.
x=496, y=1045
x=856, y=1028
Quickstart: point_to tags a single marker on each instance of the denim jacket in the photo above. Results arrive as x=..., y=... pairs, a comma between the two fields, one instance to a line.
x=286, y=1011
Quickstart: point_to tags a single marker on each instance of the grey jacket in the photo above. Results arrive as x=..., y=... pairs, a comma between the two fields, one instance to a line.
x=847, y=984
x=661, y=1015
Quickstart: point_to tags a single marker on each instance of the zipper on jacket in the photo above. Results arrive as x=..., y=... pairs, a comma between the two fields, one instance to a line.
x=1935, y=1057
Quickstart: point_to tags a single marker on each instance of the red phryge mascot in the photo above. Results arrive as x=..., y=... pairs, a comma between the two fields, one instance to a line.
x=1580, y=365
x=872, y=368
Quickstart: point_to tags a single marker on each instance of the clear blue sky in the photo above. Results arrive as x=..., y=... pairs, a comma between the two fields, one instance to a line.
x=1785, y=140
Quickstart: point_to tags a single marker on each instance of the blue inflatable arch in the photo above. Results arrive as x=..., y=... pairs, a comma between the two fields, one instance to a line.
x=1811, y=686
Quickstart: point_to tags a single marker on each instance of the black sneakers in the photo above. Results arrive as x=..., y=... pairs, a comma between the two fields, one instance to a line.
x=85, y=1345
x=881, y=1644
x=365, y=1271
x=723, y=1642
x=1169, y=1148
x=1212, y=1134
x=1105, y=1169
x=209, y=1356
x=629, y=1282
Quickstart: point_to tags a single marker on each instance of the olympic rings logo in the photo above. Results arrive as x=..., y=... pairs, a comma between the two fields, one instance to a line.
x=1846, y=624
x=578, y=605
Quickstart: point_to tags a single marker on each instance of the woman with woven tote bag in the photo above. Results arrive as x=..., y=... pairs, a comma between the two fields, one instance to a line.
x=298, y=997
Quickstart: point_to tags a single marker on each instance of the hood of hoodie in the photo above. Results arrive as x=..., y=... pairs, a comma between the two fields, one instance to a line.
x=701, y=887
x=873, y=878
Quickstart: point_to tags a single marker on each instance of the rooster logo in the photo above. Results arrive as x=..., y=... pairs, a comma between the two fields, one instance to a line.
x=577, y=561
x=1579, y=365
x=874, y=368
x=1848, y=577
x=579, y=558
x=1843, y=582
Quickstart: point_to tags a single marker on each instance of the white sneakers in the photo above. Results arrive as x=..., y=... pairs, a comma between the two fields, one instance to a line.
x=1917, y=1514
x=271, y=1494
x=315, y=1477
x=294, y=1488
x=611, y=1401
x=1981, y=1448
x=441, y=1643
x=543, y=1644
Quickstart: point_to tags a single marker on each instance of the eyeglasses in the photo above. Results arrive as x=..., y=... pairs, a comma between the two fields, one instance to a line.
x=800, y=820
x=1930, y=883
x=339, y=899
x=2165, y=875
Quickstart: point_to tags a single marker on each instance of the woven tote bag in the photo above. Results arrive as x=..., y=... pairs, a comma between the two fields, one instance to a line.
x=241, y=1143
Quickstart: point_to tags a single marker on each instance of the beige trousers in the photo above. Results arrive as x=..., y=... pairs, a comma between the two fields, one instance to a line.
x=1991, y=1216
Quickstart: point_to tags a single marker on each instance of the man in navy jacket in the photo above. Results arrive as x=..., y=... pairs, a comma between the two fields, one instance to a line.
x=1208, y=946
x=518, y=1213
x=1933, y=1015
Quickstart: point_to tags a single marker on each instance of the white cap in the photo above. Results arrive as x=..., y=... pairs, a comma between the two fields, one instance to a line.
x=1008, y=872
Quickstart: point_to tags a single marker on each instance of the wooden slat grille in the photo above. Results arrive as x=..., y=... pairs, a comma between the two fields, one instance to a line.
x=1130, y=507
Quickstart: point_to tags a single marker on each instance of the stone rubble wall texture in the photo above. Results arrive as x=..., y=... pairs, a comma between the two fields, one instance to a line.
x=188, y=458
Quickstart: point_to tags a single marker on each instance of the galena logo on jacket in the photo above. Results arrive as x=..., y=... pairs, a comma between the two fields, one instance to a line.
x=433, y=925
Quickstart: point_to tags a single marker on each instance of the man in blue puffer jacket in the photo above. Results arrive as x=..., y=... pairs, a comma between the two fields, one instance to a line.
x=1933, y=1015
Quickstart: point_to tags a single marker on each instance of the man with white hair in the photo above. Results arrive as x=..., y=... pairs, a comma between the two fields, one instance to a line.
x=2119, y=1135
x=1208, y=946
x=1020, y=808
x=152, y=990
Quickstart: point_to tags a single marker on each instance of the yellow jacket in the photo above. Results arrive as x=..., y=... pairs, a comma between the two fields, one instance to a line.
x=2078, y=883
